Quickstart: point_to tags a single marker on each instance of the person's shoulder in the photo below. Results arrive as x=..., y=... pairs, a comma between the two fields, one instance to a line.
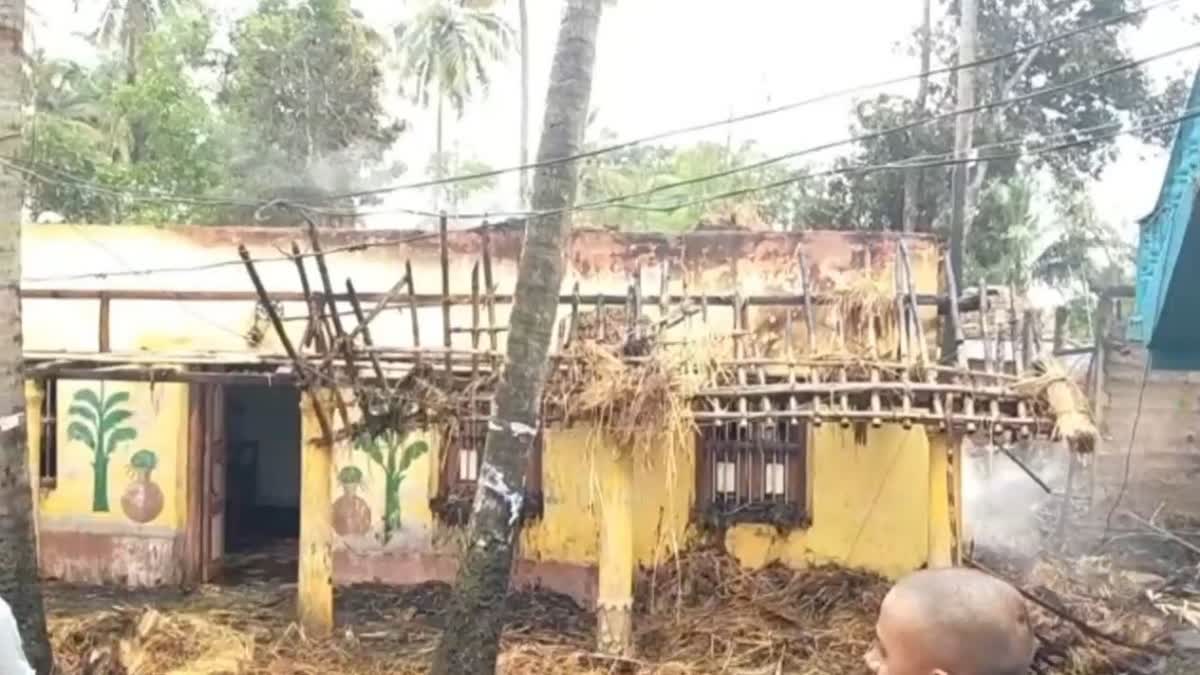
x=12, y=654
x=6, y=614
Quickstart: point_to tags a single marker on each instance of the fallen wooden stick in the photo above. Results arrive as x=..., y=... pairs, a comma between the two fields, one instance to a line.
x=1161, y=531
x=1063, y=614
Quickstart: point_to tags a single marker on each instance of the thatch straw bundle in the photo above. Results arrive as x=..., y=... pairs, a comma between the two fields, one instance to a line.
x=861, y=322
x=1068, y=404
x=633, y=404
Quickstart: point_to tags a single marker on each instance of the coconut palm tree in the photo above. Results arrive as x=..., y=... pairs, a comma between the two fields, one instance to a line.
x=124, y=25
x=68, y=93
x=18, y=540
x=447, y=50
x=475, y=618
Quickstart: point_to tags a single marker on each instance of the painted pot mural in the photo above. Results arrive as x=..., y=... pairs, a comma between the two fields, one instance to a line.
x=351, y=515
x=143, y=499
x=99, y=422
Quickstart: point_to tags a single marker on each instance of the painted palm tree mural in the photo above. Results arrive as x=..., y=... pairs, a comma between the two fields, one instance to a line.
x=390, y=452
x=99, y=422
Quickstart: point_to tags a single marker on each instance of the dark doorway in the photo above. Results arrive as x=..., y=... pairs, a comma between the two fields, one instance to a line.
x=263, y=502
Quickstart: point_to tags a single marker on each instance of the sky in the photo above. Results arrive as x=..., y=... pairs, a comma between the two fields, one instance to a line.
x=664, y=64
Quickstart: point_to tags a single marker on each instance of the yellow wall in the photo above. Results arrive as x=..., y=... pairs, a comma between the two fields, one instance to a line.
x=870, y=505
x=575, y=463
x=878, y=505
x=157, y=420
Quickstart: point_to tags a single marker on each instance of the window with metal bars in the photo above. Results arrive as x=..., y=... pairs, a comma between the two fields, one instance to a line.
x=48, y=447
x=752, y=472
x=460, y=469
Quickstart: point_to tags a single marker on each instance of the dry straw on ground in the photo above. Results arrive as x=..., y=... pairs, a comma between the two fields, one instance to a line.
x=700, y=614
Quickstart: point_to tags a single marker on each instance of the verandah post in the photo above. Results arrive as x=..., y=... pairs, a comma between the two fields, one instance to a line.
x=614, y=598
x=315, y=579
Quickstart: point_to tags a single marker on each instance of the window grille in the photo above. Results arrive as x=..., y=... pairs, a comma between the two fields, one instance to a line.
x=462, y=460
x=752, y=472
x=48, y=449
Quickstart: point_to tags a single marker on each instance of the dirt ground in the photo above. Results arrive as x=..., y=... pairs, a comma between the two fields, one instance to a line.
x=700, y=614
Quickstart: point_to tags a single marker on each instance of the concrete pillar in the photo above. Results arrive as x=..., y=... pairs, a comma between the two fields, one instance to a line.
x=614, y=600
x=945, y=499
x=315, y=581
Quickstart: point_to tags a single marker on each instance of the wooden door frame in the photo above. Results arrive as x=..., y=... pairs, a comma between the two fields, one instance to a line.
x=215, y=501
x=193, y=550
x=197, y=538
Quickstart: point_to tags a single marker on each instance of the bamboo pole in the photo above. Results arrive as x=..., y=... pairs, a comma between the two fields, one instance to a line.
x=985, y=316
x=810, y=318
x=910, y=290
x=873, y=340
x=954, y=329
x=916, y=415
x=903, y=346
x=444, y=245
x=738, y=347
x=574, y=313
x=474, y=328
x=489, y=289
x=104, y=337
x=366, y=332
x=296, y=357
x=412, y=308
x=339, y=334
x=637, y=302
x=312, y=331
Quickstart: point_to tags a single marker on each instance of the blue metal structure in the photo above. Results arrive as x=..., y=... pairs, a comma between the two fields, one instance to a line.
x=1166, y=316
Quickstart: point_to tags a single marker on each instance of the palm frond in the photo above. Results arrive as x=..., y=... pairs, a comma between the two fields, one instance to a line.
x=450, y=49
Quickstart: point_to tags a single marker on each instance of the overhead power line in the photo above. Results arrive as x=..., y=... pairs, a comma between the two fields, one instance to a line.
x=921, y=161
x=945, y=159
x=849, y=140
x=727, y=121
x=933, y=161
x=38, y=172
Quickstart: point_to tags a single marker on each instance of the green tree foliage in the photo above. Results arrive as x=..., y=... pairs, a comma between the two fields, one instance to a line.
x=998, y=200
x=124, y=24
x=460, y=192
x=303, y=94
x=85, y=122
x=645, y=167
x=1002, y=243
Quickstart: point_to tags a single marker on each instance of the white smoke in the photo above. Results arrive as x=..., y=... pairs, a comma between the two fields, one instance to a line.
x=1006, y=510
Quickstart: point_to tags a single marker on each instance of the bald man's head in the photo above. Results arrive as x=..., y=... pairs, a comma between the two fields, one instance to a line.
x=952, y=621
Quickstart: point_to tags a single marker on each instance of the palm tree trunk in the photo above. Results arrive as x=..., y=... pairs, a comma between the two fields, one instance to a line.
x=912, y=177
x=18, y=543
x=523, y=201
x=475, y=618
x=439, y=164
x=137, y=126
